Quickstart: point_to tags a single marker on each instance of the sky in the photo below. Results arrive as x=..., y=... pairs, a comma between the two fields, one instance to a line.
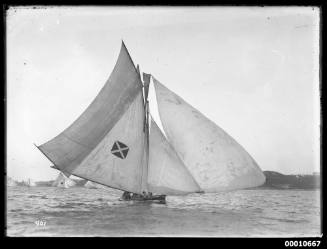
x=254, y=71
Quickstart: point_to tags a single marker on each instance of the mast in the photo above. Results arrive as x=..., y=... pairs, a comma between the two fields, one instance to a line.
x=146, y=83
x=146, y=139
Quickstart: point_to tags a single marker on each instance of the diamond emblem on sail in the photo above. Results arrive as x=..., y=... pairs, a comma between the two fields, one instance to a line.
x=119, y=149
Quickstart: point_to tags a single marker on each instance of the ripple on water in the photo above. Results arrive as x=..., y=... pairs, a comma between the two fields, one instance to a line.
x=79, y=211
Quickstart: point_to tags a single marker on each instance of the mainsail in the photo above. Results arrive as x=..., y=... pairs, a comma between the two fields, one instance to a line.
x=167, y=173
x=117, y=161
x=215, y=160
x=105, y=144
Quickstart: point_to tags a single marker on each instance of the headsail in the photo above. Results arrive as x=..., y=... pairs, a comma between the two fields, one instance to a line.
x=110, y=131
x=216, y=160
x=167, y=173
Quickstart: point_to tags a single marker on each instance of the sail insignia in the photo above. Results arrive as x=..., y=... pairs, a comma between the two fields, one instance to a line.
x=119, y=149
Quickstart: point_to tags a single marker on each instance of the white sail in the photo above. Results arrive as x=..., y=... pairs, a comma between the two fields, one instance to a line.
x=63, y=181
x=31, y=183
x=216, y=160
x=166, y=172
x=117, y=161
x=90, y=184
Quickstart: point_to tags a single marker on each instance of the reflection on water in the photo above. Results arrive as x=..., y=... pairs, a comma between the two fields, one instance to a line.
x=47, y=211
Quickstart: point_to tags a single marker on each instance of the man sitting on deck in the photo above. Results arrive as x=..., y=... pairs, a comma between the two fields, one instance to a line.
x=126, y=196
x=137, y=196
x=147, y=195
x=129, y=196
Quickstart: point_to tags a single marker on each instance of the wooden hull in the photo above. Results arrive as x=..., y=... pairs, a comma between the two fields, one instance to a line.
x=154, y=198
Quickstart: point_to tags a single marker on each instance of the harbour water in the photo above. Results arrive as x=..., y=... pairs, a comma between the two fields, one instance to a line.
x=49, y=211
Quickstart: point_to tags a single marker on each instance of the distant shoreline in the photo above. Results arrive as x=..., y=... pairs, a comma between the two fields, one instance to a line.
x=274, y=180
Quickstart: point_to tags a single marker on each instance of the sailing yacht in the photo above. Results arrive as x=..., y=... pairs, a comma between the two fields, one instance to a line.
x=115, y=142
x=63, y=181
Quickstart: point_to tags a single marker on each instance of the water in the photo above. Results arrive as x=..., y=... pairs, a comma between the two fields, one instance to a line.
x=47, y=211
